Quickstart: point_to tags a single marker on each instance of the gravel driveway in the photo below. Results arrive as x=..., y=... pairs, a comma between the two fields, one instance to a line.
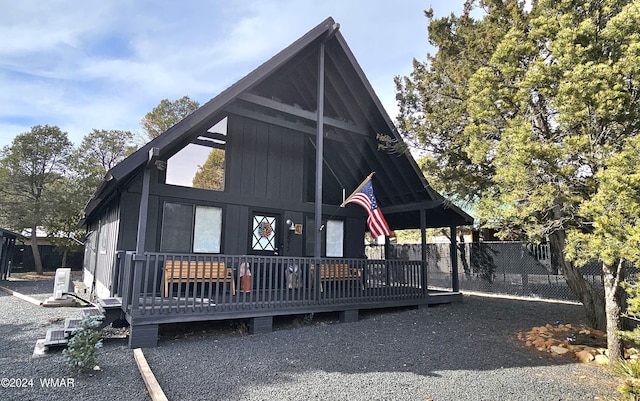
x=464, y=351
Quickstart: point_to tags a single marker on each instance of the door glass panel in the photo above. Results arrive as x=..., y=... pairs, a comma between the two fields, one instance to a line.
x=263, y=237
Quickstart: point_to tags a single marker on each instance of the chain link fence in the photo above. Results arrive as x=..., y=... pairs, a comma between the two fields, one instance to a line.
x=509, y=268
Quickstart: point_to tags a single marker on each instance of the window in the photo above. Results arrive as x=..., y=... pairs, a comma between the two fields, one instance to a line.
x=189, y=228
x=335, y=238
x=104, y=236
x=207, y=231
x=333, y=232
x=201, y=164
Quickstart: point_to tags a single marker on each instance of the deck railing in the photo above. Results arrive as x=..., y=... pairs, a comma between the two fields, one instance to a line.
x=159, y=283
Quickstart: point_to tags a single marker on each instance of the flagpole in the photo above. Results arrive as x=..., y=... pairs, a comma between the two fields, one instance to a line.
x=358, y=189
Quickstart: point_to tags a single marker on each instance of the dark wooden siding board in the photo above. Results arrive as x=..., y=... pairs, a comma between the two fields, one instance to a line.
x=276, y=181
x=152, y=241
x=233, y=159
x=244, y=223
x=298, y=188
x=231, y=223
x=261, y=156
x=128, y=221
x=293, y=242
x=354, y=233
x=249, y=151
x=290, y=161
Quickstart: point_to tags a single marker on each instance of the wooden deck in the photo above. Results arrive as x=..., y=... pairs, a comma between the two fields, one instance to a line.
x=277, y=286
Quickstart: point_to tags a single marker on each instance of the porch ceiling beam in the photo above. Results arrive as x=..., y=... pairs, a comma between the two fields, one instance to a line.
x=358, y=96
x=209, y=144
x=214, y=135
x=411, y=207
x=238, y=110
x=300, y=113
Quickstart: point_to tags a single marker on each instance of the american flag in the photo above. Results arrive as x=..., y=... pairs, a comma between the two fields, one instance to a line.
x=364, y=197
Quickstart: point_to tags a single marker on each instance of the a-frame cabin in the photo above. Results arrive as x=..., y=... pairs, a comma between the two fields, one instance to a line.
x=234, y=212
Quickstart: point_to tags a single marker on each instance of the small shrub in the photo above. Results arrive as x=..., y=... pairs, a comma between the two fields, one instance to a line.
x=82, y=351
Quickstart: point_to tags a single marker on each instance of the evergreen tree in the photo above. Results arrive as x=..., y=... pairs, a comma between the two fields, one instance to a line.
x=32, y=165
x=523, y=124
x=166, y=114
x=211, y=174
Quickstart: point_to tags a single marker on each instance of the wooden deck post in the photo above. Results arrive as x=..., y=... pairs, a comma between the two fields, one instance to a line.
x=349, y=316
x=262, y=324
x=141, y=336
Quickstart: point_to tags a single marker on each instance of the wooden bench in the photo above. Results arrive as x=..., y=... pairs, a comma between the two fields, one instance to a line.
x=337, y=272
x=185, y=271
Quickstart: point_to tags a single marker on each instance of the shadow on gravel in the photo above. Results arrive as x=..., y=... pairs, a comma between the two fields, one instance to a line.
x=38, y=289
x=476, y=335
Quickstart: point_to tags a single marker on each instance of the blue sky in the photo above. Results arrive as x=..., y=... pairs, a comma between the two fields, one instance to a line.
x=104, y=64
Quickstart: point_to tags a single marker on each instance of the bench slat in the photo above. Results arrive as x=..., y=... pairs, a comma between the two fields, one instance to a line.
x=196, y=271
x=335, y=272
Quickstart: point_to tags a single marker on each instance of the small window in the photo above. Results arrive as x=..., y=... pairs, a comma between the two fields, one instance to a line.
x=177, y=226
x=201, y=164
x=208, y=229
x=335, y=238
x=104, y=236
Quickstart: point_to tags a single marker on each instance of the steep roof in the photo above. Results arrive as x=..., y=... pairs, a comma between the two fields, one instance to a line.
x=283, y=91
x=8, y=234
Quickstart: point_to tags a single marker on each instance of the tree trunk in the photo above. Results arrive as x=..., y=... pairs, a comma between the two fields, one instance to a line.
x=36, y=252
x=64, y=258
x=611, y=279
x=592, y=299
x=462, y=248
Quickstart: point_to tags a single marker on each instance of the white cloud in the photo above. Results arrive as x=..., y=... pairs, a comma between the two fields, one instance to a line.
x=84, y=65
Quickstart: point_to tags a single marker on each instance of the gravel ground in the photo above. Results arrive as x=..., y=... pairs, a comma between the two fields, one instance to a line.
x=464, y=351
x=22, y=323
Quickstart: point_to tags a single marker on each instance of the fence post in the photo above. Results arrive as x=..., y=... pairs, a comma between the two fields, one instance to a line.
x=423, y=252
x=455, y=281
x=525, y=274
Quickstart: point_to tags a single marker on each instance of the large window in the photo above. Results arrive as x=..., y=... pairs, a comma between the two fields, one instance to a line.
x=201, y=164
x=189, y=228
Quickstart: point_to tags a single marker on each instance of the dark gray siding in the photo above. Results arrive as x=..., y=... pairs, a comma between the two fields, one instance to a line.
x=264, y=161
x=265, y=173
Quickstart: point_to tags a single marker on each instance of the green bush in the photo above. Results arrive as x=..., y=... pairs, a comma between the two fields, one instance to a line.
x=82, y=351
x=629, y=370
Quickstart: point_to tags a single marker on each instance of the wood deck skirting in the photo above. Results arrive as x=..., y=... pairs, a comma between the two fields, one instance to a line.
x=180, y=315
